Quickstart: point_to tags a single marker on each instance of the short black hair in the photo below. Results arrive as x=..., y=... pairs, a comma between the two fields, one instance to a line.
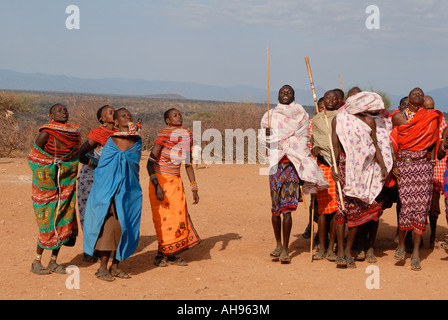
x=339, y=91
x=100, y=110
x=402, y=100
x=116, y=112
x=167, y=114
x=54, y=106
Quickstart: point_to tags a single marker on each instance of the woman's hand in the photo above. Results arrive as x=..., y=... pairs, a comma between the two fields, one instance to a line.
x=159, y=193
x=195, y=196
x=334, y=174
x=384, y=173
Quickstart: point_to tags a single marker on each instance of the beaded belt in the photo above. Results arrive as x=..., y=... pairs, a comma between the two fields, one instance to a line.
x=427, y=156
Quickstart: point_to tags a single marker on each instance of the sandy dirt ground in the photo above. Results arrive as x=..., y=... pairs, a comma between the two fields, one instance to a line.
x=231, y=263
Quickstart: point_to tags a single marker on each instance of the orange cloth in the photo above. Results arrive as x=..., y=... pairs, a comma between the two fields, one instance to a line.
x=326, y=199
x=100, y=134
x=174, y=229
x=419, y=133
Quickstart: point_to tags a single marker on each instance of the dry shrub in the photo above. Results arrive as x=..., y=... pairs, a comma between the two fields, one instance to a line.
x=242, y=116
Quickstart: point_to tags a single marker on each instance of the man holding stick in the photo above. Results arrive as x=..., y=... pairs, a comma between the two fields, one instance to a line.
x=362, y=149
x=326, y=199
x=290, y=163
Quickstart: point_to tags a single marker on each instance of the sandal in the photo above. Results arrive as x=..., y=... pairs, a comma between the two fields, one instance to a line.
x=444, y=245
x=415, y=264
x=399, y=255
x=118, y=273
x=350, y=262
x=318, y=255
x=56, y=268
x=275, y=253
x=177, y=261
x=340, y=261
x=361, y=256
x=331, y=256
x=39, y=269
x=285, y=259
x=104, y=274
x=370, y=256
x=159, y=261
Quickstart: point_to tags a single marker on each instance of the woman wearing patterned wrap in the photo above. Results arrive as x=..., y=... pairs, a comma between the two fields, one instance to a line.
x=415, y=139
x=362, y=149
x=89, y=154
x=175, y=231
x=54, y=163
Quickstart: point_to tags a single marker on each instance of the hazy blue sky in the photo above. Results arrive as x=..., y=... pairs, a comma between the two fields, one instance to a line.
x=224, y=42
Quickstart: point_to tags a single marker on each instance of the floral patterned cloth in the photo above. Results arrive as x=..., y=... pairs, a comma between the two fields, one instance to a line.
x=289, y=126
x=363, y=173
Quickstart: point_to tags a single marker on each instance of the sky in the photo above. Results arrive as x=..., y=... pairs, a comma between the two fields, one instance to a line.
x=225, y=42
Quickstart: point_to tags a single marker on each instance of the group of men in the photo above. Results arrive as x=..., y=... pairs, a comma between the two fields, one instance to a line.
x=356, y=160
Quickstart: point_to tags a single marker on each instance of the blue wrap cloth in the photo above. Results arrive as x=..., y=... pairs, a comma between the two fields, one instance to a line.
x=116, y=177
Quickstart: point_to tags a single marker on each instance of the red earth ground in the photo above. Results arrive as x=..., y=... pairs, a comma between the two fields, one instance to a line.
x=232, y=262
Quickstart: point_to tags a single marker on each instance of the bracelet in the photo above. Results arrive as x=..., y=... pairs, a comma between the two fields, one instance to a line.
x=152, y=159
x=153, y=179
x=194, y=186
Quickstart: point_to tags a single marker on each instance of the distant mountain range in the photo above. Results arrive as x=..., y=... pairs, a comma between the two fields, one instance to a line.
x=12, y=80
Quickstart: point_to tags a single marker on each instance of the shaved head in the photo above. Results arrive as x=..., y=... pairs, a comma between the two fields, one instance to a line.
x=428, y=102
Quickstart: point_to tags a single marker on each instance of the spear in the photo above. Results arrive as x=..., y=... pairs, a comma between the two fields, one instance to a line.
x=268, y=85
x=331, y=145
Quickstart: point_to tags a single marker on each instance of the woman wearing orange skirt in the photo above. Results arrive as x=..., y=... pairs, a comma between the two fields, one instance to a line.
x=175, y=231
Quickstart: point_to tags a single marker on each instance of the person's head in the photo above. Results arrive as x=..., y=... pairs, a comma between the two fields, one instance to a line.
x=403, y=103
x=416, y=97
x=286, y=95
x=353, y=91
x=340, y=96
x=122, y=117
x=105, y=114
x=331, y=100
x=58, y=113
x=320, y=105
x=428, y=103
x=173, y=117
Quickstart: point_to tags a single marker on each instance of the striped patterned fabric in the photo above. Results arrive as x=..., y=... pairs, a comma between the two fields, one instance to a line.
x=177, y=143
x=416, y=185
x=326, y=198
x=439, y=168
x=356, y=212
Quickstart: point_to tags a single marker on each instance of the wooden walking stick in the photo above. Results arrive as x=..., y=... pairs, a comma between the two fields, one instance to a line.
x=307, y=61
x=328, y=128
x=268, y=86
x=340, y=82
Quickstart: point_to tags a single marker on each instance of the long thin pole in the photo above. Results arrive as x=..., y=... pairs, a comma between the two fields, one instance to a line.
x=328, y=128
x=313, y=198
x=340, y=82
x=268, y=86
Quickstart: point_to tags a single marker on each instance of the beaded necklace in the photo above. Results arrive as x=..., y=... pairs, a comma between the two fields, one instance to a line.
x=409, y=114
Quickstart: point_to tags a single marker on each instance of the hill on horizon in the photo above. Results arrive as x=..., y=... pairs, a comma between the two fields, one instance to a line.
x=13, y=80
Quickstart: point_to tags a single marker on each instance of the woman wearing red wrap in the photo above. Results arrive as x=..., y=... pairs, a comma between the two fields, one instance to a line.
x=54, y=163
x=89, y=154
x=415, y=139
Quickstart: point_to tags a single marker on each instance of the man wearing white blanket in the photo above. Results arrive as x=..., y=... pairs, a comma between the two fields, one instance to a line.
x=290, y=164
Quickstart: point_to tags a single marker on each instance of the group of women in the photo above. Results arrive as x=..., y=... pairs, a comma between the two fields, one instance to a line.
x=109, y=195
